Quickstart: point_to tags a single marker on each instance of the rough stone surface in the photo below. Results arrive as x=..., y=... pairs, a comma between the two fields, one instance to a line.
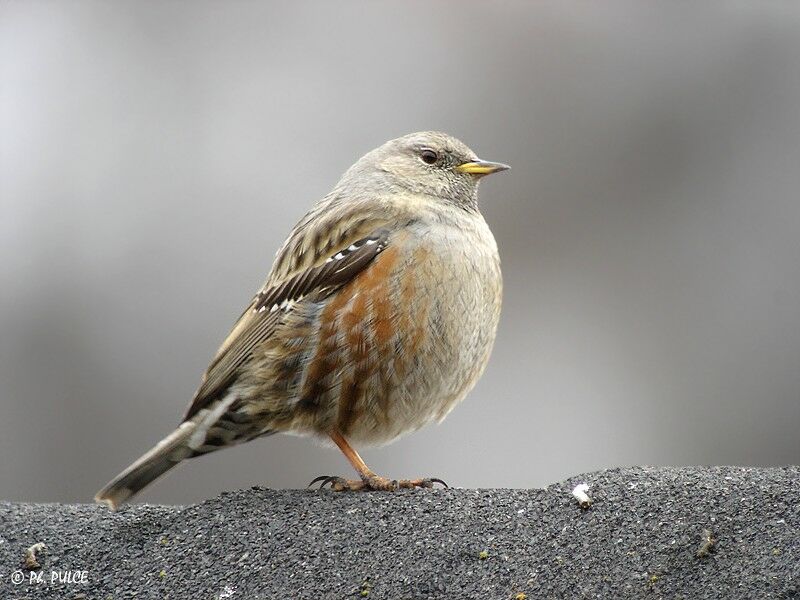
x=639, y=539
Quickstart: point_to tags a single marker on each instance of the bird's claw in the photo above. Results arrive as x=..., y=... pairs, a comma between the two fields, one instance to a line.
x=374, y=483
x=424, y=482
x=324, y=480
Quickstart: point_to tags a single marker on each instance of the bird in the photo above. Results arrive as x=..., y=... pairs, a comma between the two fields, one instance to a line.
x=377, y=317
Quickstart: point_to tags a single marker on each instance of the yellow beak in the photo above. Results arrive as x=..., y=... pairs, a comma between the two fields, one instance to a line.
x=481, y=167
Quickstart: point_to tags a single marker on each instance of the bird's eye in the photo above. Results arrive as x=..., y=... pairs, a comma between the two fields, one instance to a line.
x=428, y=156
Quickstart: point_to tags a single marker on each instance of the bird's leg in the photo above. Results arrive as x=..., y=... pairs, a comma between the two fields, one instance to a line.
x=358, y=463
x=369, y=480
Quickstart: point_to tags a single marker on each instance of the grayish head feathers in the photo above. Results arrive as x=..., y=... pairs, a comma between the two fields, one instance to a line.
x=427, y=163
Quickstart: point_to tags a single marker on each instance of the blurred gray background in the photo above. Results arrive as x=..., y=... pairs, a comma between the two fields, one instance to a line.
x=153, y=156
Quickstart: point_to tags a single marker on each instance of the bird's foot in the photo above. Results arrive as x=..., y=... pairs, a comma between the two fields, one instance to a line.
x=374, y=483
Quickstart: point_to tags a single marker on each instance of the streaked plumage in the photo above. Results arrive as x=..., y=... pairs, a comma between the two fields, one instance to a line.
x=377, y=317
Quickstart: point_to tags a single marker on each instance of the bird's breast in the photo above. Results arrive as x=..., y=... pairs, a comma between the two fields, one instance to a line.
x=405, y=341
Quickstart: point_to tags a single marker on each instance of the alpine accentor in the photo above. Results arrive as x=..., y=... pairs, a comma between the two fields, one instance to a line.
x=378, y=316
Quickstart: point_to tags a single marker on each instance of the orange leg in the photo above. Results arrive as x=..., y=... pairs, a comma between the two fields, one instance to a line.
x=369, y=480
x=351, y=455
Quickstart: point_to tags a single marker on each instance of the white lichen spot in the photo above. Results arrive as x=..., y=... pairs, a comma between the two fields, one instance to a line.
x=580, y=494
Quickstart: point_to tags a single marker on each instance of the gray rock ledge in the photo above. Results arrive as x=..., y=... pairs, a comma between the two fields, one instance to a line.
x=639, y=539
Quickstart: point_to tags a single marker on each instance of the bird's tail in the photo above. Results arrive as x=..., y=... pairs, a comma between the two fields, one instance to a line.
x=189, y=439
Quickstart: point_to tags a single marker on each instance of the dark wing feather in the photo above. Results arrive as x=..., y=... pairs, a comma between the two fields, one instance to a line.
x=258, y=322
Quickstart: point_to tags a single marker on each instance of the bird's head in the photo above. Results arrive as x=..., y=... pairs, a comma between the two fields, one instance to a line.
x=426, y=163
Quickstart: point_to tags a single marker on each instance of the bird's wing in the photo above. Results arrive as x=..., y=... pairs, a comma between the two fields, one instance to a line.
x=258, y=321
